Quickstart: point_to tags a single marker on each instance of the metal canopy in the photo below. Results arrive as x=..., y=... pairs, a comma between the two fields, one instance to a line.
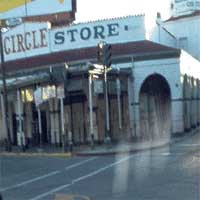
x=26, y=80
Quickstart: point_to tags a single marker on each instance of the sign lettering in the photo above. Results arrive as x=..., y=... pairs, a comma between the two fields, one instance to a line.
x=182, y=7
x=86, y=33
x=32, y=39
x=25, y=42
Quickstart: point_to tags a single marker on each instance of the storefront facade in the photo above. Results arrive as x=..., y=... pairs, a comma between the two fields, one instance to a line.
x=40, y=60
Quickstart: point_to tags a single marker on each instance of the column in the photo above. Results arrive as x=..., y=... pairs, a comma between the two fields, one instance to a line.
x=131, y=105
x=20, y=133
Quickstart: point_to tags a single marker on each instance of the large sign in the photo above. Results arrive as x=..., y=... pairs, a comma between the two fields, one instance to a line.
x=26, y=40
x=24, y=8
x=90, y=34
x=32, y=39
x=183, y=7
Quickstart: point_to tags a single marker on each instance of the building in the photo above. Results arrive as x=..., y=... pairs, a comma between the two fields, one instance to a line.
x=181, y=30
x=48, y=66
x=37, y=58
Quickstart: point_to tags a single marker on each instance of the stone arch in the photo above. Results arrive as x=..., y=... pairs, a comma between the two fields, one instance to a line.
x=155, y=108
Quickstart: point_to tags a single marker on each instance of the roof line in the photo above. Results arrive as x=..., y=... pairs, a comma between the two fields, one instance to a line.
x=193, y=14
x=112, y=18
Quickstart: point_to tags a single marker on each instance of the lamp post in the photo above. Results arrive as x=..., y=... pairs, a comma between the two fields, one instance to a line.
x=91, y=111
x=5, y=96
x=104, y=57
x=107, y=105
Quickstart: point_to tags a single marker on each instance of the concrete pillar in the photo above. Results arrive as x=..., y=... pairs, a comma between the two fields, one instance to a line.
x=188, y=101
x=137, y=113
x=177, y=117
x=195, y=103
x=192, y=103
x=144, y=119
x=131, y=106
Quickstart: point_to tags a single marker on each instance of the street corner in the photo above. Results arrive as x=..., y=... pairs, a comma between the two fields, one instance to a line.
x=71, y=197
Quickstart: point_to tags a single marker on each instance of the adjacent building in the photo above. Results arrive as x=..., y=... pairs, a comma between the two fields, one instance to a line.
x=181, y=30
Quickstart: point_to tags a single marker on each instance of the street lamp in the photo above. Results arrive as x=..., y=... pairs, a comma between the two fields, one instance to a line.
x=5, y=96
x=104, y=58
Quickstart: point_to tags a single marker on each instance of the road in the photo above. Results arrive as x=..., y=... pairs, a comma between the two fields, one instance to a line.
x=172, y=172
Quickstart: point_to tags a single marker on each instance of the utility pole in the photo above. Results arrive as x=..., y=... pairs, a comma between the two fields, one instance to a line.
x=5, y=96
x=61, y=96
x=91, y=110
x=104, y=58
x=107, y=104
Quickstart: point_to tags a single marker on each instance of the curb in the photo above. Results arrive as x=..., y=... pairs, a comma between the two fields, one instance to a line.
x=103, y=153
x=112, y=153
x=63, y=155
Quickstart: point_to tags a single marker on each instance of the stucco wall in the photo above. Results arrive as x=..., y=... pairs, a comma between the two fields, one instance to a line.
x=183, y=28
x=170, y=70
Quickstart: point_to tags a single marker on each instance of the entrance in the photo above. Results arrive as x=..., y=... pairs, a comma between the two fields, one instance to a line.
x=35, y=124
x=155, y=108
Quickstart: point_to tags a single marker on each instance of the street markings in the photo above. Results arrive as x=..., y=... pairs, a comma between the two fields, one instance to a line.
x=82, y=178
x=80, y=163
x=47, y=175
x=30, y=181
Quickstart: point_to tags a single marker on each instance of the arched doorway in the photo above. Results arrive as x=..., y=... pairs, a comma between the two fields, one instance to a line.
x=155, y=108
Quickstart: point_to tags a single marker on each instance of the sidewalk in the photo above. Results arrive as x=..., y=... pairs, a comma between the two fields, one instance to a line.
x=132, y=147
x=98, y=150
x=121, y=148
x=47, y=150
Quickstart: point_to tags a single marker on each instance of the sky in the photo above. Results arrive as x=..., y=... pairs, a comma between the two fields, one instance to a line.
x=90, y=10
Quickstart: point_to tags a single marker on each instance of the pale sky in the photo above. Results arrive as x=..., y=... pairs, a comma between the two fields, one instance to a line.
x=90, y=10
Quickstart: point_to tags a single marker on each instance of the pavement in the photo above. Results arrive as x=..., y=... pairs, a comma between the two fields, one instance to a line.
x=97, y=150
x=131, y=147
x=170, y=172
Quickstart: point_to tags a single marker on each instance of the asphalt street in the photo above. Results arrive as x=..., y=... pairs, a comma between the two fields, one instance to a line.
x=168, y=173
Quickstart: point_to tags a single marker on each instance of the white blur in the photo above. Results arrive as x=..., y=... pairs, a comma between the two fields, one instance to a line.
x=91, y=10
x=140, y=166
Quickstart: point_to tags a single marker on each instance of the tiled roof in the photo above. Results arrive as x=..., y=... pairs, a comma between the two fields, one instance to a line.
x=194, y=14
x=141, y=49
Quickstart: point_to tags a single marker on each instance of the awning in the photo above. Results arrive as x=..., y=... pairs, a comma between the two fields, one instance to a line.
x=25, y=81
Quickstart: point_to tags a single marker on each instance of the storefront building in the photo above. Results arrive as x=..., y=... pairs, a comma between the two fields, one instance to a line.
x=152, y=88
